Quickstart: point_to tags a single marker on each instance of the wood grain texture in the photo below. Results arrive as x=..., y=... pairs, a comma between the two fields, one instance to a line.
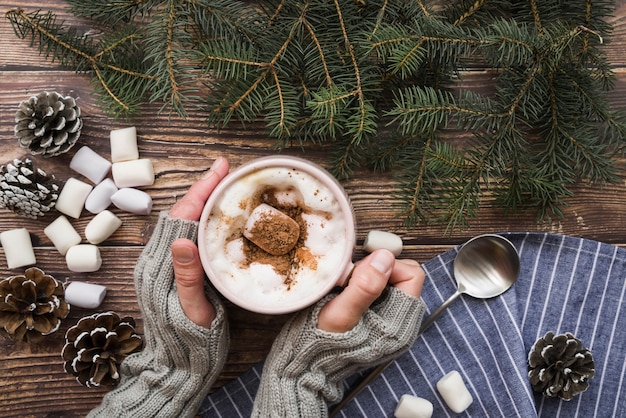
x=32, y=379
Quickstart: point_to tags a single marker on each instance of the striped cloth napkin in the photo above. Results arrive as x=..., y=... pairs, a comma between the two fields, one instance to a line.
x=566, y=284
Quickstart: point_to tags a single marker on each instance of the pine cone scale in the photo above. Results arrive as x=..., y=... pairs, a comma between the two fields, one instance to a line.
x=11, y=322
x=130, y=345
x=43, y=324
x=100, y=370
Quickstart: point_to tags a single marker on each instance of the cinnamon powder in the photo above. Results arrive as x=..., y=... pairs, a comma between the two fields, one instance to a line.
x=288, y=264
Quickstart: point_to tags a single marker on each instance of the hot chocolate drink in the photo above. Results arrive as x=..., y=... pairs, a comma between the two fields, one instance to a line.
x=276, y=238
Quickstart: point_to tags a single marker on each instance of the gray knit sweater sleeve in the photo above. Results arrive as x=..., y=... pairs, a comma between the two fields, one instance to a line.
x=306, y=365
x=180, y=361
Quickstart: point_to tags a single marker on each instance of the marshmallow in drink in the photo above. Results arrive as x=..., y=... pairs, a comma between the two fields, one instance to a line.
x=271, y=230
x=91, y=165
x=380, y=239
x=62, y=234
x=18, y=248
x=102, y=226
x=124, y=144
x=454, y=392
x=133, y=201
x=133, y=173
x=83, y=258
x=411, y=406
x=85, y=295
x=72, y=198
x=100, y=197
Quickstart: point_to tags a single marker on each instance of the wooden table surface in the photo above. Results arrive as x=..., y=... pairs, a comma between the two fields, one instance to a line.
x=32, y=379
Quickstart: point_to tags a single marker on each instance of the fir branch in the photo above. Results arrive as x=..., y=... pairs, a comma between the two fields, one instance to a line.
x=108, y=12
x=72, y=49
x=387, y=94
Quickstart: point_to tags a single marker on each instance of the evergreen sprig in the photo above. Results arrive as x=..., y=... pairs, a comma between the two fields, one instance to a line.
x=380, y=81
x=114, y=61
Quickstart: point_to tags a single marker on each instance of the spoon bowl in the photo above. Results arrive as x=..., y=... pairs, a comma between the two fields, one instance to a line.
x=486, y=266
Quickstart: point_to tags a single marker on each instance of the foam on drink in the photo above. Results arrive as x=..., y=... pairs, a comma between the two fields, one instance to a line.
x=267, y=279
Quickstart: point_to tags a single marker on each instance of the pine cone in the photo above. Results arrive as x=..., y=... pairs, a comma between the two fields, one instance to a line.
x=560, y=366
x=96, y=346
x=27, y=191
x=31, y=305
x=48, y=124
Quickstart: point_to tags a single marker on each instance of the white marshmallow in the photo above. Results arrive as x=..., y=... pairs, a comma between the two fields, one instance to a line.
x=133, y=173
x=454, y=392
x=90, y=164
x=133, y=201
x=62, y=234
x=72, y=198
x=411, y=406
x=124, y=144
x=102, y=226
x=100, y=197
x=83, y=258
x=85, y=295
x=267, y=218
x=380, y=239
x=18, y=248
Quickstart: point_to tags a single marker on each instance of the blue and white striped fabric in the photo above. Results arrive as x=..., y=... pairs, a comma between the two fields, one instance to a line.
x=566, y=284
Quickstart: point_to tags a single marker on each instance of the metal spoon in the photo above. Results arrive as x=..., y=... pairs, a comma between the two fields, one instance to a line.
x=486, y=266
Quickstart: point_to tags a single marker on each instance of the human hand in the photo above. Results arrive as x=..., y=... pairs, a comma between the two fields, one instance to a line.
x=369, y=279
x=188, y=271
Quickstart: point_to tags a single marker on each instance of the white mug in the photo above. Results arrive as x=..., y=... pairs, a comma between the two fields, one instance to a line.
x=254, y=286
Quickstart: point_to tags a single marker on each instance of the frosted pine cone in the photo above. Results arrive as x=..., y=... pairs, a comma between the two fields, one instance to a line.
x=27, y=191
x=31, y=305
x=560, y=366
x=96, y=346
x=48, y=124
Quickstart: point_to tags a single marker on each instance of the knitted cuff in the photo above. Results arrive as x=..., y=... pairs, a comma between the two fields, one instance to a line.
x=305, y=366
x=180, y=360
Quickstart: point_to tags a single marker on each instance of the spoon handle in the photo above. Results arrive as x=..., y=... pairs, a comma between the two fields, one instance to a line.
x=379, y=369
x=431, y=318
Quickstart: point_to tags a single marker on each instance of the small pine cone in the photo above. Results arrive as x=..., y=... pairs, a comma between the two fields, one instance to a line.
x=560, y=366
x=48, y=124
x=31, y=305
x=96, y=346
x=27, y=191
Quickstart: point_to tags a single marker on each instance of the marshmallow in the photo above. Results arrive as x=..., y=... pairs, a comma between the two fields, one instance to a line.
x=454, y=392
x=271, y=230
x=133, y=201
x=62, y=234
x=100, y=197
x=380, y=239
x=102, y=226
x=90, y=165
x=18, y=248
x=72, y=197
x=411, y=406
x=133, y=173
x=83, y=258
x=124, y=144
x=85, y=295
